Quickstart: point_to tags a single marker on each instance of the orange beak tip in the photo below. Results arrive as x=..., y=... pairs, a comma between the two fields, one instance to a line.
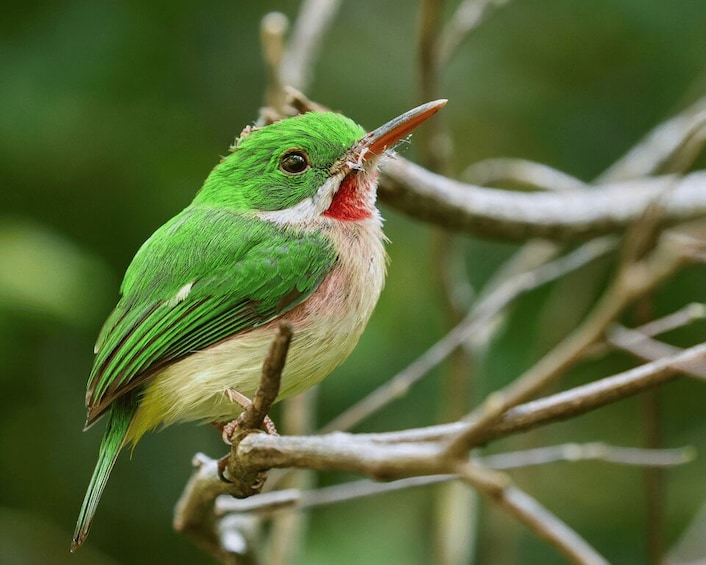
x=386, y=136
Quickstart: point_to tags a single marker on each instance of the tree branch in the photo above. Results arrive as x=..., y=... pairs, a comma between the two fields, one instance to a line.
x=503, y=214
x=528, y=511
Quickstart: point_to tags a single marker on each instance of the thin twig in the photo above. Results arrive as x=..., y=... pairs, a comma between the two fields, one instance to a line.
x=682, y=317
x=484, y=310
x=659, y=146
x=595, y=451
x=255, y=414
x=531, y=513
x=647, y=349
x=631, y=281
x=522, y=172
x=314, y=19
x=469, y=14
x=563, y=405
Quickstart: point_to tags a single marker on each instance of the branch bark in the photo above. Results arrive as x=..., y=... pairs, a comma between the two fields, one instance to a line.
x=517, y=216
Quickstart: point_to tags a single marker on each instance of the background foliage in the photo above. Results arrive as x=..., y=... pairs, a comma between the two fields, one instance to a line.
x=112, y=115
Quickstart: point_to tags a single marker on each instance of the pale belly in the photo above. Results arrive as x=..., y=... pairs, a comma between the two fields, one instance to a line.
x=326, y=326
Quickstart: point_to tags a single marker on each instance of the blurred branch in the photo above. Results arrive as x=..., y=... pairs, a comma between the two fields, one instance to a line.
x=468, y=16
x=595, y=451
x=647, y=349
x=680, y=318
x=635, y=277
x=679, y=139
x=529, y=174
x=478, y=316
x=528, y=511
x=314, y=19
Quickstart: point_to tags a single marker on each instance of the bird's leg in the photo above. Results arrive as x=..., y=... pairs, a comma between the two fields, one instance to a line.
x=244, y=402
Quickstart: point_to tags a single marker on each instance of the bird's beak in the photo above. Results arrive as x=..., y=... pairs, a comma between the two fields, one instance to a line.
x=387, y=135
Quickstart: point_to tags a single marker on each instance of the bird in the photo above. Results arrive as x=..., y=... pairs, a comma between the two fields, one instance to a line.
x=284, y=228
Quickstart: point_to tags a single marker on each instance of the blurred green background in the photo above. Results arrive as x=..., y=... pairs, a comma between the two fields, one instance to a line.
x=111, y=116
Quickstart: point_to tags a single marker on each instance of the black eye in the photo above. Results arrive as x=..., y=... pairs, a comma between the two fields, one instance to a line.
x=294, y=162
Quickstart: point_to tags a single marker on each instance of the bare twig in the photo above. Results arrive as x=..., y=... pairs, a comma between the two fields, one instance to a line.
x=596, y=451
x=229, y=542
x=528, y=511
x=682, y=317
x=661, y=146
x=254, y=415
x=529, y=174
x=632, y=280
x=566, y=404
x=315, y=16
x=588, y=397
x=469, y=14
x=648, y=349
x=476, y=319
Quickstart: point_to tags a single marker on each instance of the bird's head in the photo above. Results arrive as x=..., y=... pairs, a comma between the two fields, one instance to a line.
x=298, y=169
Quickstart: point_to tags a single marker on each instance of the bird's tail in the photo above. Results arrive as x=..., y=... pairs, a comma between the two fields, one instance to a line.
x=116, y=429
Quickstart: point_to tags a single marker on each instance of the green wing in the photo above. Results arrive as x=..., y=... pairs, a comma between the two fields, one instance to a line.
x=202, y=277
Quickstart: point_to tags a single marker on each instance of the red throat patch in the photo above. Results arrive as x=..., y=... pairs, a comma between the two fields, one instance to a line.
x=349, y=203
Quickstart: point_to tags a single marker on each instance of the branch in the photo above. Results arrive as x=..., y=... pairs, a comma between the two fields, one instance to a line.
x=563, y=405
x=677, y=139
x=483, y=311
x=468, y=16
x=608, y=208
x=528, y=511
x=255, y=414
x=526, y=173
x=633, y=279
x=315, y=16
x=418, y=452
x=273, y=502
x=647, y=349
x=231, y=543
x=395, y=454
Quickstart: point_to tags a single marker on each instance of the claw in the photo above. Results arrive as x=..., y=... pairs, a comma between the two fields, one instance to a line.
x=222, y=468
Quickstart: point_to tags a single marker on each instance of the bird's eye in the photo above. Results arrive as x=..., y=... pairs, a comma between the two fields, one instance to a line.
x=294, y=162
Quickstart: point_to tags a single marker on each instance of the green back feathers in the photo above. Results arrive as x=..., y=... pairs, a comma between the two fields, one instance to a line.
x=250, y=177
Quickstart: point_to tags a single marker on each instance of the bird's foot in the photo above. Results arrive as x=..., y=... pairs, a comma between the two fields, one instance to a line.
x=228, y=428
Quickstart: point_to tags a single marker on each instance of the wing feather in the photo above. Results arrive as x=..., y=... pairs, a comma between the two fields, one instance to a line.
x=206, y=275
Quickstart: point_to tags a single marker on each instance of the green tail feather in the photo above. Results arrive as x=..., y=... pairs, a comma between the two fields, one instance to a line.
x=119, y=418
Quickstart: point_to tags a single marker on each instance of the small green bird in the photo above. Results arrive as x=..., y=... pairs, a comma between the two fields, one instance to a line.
x=285, y=227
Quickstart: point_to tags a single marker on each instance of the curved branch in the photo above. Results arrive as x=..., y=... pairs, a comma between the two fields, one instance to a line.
x=503, y=214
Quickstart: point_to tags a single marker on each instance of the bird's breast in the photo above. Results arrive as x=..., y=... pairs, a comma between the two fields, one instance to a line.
x=326, y=327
